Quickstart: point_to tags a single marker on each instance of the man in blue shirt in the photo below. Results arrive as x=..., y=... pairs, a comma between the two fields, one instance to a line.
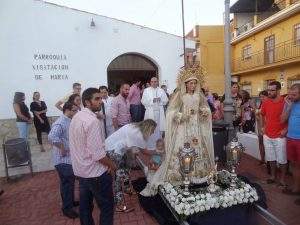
x=59, y=137
x=292, y=114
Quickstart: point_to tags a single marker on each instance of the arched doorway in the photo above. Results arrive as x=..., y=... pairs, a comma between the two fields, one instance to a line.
x=129, y=67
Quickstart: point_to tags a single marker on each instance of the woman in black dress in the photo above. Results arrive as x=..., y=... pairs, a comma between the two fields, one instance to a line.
x=40, y=120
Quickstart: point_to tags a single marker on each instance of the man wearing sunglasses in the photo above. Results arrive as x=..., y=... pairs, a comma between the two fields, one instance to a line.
x=274, y=131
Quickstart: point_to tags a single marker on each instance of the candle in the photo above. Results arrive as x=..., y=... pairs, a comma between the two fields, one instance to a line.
x=187, y=161
x=234, y=155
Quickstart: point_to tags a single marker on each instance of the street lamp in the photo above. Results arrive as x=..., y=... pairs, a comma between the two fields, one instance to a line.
x=228, y=103
x=183, y=32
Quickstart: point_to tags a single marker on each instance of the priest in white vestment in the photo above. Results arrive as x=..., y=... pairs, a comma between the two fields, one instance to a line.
x=154, y=99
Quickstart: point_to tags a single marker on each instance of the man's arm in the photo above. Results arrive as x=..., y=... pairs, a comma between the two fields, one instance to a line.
x=146, y=101
x=286, y=111
x=54, y=138
x=58, y=105
x=131, y=91
x=164, y=97
x=95, y=146
x=114, y=113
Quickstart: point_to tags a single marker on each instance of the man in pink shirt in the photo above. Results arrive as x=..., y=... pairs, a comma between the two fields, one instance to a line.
x=120, y=108
x=134, y=98
x=89, y=161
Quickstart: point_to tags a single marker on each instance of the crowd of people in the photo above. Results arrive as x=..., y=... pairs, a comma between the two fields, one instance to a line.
x=95, y=137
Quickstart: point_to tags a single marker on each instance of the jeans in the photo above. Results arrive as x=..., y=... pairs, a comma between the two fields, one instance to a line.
x=136, y=113
x=99, y=188
x=67, y=182
x=23, y=128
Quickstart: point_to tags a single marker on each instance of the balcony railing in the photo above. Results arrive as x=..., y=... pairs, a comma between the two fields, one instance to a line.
x=283, y=52
x=261, y=16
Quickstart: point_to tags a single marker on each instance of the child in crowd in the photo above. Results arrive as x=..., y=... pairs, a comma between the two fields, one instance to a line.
x=158, y=156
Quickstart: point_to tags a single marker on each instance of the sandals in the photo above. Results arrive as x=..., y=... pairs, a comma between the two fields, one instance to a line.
x=124, y=209
x=281, y=185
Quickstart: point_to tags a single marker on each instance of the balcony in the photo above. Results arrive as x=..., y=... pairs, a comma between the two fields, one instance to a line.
x=284, y=53
x=249, y=13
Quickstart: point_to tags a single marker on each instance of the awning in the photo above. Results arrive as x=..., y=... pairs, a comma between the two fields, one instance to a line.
x=248, y=6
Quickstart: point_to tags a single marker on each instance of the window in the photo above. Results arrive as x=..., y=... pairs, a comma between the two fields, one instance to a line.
x=247, y=52
x=248, y=88
x=297, y=34
x=269, y=49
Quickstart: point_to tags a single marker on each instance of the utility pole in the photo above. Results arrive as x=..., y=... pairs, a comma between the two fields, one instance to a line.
x=228, y=103
x=183, y=32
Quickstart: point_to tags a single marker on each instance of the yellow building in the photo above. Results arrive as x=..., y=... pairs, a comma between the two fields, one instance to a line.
x=210, y=54
x=265, y=43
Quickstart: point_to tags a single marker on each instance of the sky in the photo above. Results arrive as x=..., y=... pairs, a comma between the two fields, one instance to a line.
x=164, y=15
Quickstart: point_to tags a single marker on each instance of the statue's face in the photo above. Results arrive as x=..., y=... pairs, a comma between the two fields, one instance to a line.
x=191, y=85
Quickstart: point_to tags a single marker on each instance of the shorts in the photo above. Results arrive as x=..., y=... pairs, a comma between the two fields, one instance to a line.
x=293, y=150
x=275, y=149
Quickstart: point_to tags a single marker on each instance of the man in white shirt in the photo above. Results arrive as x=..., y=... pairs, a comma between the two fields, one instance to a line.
x=106, y=103
x=76, y=90
x=154, y=99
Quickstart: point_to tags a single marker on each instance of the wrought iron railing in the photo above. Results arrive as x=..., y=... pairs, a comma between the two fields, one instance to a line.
x=283, y=52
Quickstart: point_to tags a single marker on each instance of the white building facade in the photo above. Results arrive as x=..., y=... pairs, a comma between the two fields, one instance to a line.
x=45, y=47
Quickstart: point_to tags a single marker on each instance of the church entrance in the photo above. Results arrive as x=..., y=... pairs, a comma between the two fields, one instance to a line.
x=128, y=68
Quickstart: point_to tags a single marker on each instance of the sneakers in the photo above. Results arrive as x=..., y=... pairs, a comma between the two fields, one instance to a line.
x=70, y=214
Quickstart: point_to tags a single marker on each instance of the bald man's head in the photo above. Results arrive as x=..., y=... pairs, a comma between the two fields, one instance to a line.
x=154, y=82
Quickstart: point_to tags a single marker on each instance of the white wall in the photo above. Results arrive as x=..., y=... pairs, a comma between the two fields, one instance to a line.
x=29, y=27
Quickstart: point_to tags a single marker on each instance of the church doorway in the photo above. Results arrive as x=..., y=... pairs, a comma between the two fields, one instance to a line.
x=128, y=68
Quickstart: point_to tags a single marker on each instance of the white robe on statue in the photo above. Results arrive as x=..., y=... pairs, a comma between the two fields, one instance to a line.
x=155, y=111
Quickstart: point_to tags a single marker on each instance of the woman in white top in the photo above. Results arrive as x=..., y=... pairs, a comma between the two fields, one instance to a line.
x=133, y=137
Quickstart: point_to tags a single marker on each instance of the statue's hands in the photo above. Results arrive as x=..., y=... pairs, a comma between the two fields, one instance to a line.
x=204, y=112
x=181, y=117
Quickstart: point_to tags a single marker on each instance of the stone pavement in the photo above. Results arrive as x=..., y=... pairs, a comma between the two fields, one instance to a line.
x=36, y=201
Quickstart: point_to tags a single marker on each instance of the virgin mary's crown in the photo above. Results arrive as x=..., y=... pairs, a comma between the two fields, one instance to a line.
x=190, y=73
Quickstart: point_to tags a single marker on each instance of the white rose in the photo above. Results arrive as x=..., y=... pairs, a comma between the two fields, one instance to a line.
x=202, y=196
x=235, y=202
x=224, y=205
x=225, y=199
x=251, y=200
x=208, y=195
x=183, y=199
x=187, y=212
x=217, y=205
x=232, y=193
x=247, y=195
x=202, y=202
x=256, y=198
x=192, y=211
x=197, y=209
x=245, y=200
x=197, y=197
x=202, y=208
x=207, y=207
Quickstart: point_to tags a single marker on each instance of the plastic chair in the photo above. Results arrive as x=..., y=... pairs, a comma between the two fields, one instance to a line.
x=16, y=153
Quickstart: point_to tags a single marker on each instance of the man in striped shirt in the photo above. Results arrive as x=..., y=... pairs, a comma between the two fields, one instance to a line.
x=59, y=137
x=90, y=162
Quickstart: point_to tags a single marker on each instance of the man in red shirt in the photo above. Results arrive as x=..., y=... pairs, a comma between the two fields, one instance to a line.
x=274, y=132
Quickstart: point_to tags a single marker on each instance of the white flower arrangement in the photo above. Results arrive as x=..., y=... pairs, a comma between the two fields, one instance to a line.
x=200, y=202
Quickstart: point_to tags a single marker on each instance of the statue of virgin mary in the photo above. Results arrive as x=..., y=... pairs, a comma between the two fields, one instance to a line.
x=188, y=120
